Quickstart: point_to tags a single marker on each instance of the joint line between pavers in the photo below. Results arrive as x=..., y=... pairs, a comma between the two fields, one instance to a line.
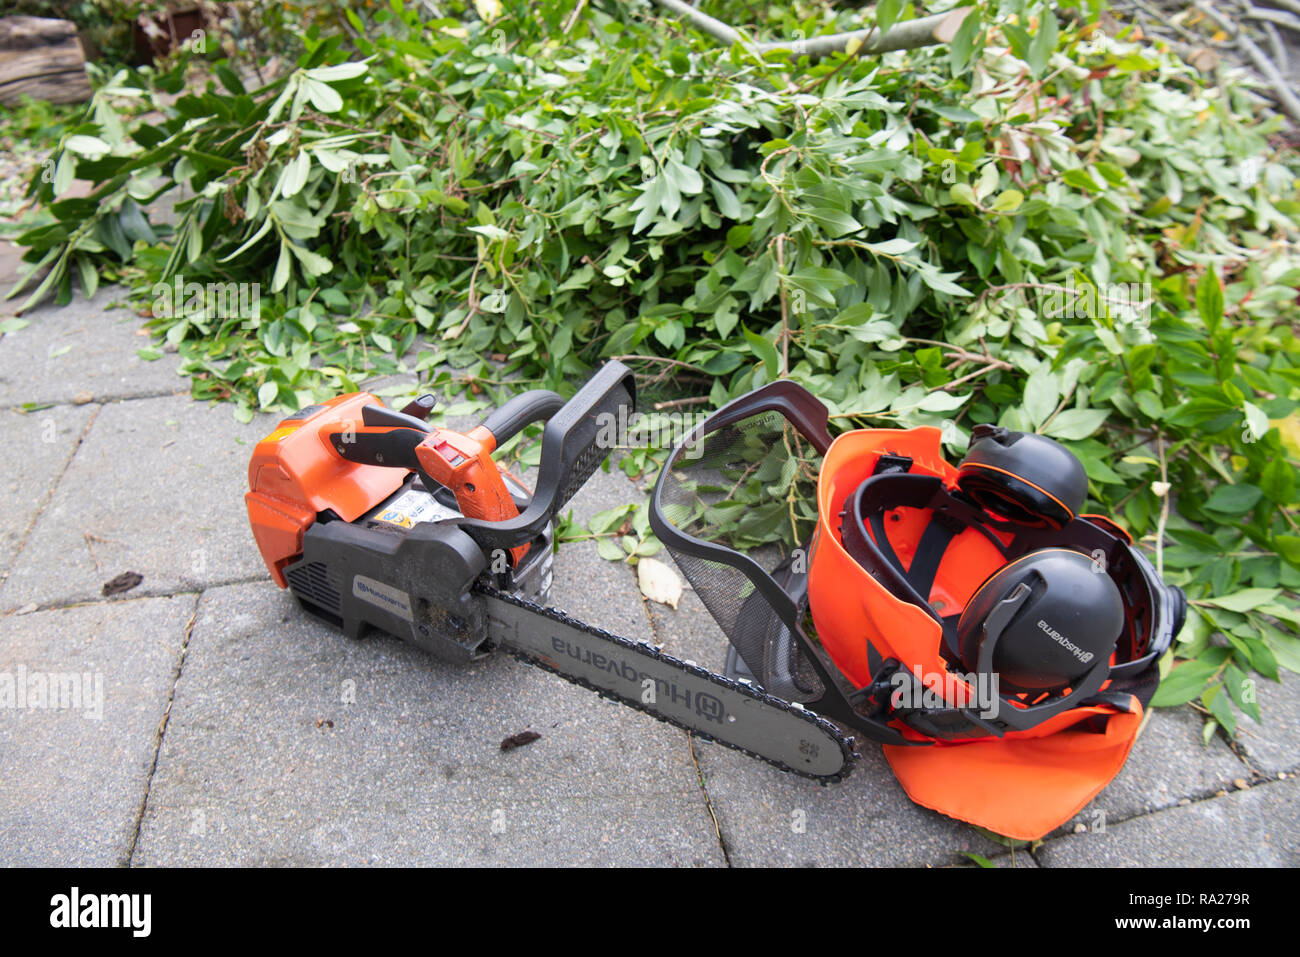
x=690, y=744
x=1191, y=800
x=99, y=400
x=141, y=595
x=162, y=730
x=49, y=495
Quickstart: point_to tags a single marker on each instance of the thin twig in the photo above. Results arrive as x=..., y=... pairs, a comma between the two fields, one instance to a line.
x=908, y=35
x=1164, y=509
x=573, y=17
x=1276, y=44
x=678, y=403
x=1280, y=17
x=1281, y=91
x=785, y=306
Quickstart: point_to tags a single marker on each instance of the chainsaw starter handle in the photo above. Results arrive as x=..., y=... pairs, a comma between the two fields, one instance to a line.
x=527, y=407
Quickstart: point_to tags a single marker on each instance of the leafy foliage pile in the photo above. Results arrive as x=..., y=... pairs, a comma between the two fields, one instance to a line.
x=1038, y=225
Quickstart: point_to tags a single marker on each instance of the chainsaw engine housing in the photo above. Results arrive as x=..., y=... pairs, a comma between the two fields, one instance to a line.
x=366, y=546
x=409, y=581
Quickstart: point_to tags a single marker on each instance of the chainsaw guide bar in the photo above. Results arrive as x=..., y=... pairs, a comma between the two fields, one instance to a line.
x=735, y=714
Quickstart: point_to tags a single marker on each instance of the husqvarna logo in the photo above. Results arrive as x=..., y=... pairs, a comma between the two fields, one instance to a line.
x=1060, y=639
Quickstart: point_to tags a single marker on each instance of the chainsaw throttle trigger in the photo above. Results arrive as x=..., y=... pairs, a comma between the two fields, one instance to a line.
x=421, y=406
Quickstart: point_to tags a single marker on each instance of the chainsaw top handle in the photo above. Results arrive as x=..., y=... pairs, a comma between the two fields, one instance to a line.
x=504, y=423
x=578, y=435
x=463, y=463
x=576, y=440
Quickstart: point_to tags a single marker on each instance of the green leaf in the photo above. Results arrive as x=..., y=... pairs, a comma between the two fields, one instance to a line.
x=267, y=393
x=1008, y=201
x=313, y=264
x=1242, y=691
x=962, y=192
x=323, y=96
x=941, y=402
x=1075, y=424
x=1278, y=482
x=1233, y=499
x=281, y=276
x=1044, y=42
x=765, y=351
x=1209, y=300
x=1183, y=684
x=1288, y=546
x=897, y=246
x=1285, y=647
x=1247, y=599
x=337, y=73
x=1080, y=179
x=963, y=42
x=610, y=550
x=887, y=12
x=397, y=153
x=89, y=276
x=92, y=147
x=834, y=222
x=687, y=180
x=1217, y=702
x=725, y=197
x=294, y=175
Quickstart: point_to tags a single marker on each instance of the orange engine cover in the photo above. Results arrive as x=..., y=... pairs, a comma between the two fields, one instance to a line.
x=295, y=474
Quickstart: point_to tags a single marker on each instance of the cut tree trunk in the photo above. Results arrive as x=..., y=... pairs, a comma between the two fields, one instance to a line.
x=43, y=59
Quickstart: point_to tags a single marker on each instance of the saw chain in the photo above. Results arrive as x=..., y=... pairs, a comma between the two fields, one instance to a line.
x=735, y=714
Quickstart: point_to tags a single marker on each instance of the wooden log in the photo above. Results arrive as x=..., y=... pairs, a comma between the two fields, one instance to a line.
x=43, y=59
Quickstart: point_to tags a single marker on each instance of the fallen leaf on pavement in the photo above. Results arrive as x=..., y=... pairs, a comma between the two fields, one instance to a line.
x=658, y=582
x=519, y=740
x=123, y=582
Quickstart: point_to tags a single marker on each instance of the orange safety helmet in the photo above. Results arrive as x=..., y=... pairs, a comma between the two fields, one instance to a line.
x=999, y=644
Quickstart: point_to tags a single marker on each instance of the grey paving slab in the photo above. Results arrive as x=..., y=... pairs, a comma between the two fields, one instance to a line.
x=768, y=817
x=1168, y=763
x=264, y=763
x=41, y=444
x=1255, y=827
x=11, y=261
x=74, y=783
x=156, y=488
x=1273, y=745
x=85, y=346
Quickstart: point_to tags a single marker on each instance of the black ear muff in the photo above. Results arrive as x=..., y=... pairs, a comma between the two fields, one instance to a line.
x=1024, y=478
x=1049, y=620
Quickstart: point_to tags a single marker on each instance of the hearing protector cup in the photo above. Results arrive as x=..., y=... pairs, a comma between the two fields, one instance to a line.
x=1146, y=625
x=1025, y=478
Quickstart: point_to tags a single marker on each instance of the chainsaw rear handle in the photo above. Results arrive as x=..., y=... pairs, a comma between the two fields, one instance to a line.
x=576, y=440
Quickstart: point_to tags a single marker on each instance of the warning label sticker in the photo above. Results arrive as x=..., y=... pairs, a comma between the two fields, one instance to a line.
x=414, y=506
